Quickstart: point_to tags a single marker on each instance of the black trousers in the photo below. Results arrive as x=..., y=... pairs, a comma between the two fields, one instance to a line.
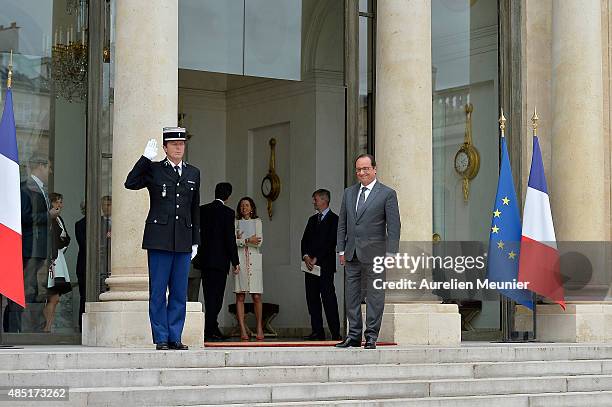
x=213, y=284
x=321, y=290
x=32, y=266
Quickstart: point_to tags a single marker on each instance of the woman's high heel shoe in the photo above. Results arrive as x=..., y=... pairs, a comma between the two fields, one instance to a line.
x=244, y=338
x=260, y=338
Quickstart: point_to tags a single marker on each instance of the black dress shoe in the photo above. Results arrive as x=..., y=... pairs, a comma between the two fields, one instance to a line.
x=370, y=345
x=215, y=338
x=162, y=346
x=315, y=337
x=221, y=336
x=177, y=346
x=348, y=343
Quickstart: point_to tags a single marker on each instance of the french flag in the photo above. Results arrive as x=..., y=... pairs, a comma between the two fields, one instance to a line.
x=11, y=272
x=539, y=258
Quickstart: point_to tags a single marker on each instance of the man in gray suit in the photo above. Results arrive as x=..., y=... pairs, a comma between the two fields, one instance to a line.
x=369, y=226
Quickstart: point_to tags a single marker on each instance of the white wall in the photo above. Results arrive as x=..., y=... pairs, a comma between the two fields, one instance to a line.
x=206, y=120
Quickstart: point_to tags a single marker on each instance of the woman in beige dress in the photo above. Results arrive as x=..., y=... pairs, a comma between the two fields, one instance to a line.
x=249, y=278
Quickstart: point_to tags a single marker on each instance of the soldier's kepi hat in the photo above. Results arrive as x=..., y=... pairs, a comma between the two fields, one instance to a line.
x=174, y=133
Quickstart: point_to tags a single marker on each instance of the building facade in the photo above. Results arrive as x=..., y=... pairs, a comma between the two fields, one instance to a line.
x=409, y=81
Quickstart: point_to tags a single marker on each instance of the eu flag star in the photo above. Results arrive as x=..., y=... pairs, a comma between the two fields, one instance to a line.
x=511, y=255
x=497, y=213
x=506, y=200
x=500, y=245
x=495, y=229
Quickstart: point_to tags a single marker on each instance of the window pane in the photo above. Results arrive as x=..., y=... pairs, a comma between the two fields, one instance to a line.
x=211, y=35
x=50, y=112
x=272, y=47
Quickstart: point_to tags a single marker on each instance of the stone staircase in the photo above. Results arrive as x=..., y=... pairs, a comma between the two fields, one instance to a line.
x=499, y=375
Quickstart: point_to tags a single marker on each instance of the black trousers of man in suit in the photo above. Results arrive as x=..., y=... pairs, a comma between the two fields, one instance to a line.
x=319, y=241
x=213, y=284
x=322, y=290
x=217, y=251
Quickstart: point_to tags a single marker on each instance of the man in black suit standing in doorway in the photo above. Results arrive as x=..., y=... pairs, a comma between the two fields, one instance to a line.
x=217, y=251
x=319, y=249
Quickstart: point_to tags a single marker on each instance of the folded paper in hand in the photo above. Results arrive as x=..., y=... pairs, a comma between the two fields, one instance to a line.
x=316, y=270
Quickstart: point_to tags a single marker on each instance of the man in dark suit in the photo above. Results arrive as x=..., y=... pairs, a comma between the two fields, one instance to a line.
x=217, y=251
x=368, y=227
x=171, y=234
x=36, y=213
x=319, y=248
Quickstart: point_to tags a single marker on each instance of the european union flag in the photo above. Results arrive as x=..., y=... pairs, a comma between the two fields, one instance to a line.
x=505, y=235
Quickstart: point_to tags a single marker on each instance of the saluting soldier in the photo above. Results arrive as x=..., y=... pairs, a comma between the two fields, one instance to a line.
x=171, y=234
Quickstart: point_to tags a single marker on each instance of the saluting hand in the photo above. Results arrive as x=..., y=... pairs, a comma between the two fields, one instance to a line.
x=150, y=151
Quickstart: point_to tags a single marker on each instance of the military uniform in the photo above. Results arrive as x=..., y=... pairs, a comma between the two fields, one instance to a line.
x=171, y=229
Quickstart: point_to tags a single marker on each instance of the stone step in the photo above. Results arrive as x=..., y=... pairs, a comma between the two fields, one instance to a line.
x=121, y=358
x=308, y=392
x=570, y=399
x=297, y=374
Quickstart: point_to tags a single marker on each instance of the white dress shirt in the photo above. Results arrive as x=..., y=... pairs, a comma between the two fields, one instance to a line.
x=179, y=165
x=366, y=192
x=42, y=189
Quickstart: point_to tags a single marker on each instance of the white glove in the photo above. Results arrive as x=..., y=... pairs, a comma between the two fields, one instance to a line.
x=194, y=251
x=150, y=151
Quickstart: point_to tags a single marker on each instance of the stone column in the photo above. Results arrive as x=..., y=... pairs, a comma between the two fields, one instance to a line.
x=577, y=186
x=405, y=162
x=146, y=100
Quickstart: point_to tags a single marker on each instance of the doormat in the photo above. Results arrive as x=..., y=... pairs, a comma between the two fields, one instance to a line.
x=279, y=344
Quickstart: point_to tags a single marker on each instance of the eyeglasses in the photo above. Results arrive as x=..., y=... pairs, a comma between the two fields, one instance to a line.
x=363, y=169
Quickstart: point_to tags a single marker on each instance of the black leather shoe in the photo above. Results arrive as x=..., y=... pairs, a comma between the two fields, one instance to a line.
x=162, y=346
x=215, y=338
x=348, y=343
x=177, y=346
x=315, y=337
x=221, y=336
x=370, y=345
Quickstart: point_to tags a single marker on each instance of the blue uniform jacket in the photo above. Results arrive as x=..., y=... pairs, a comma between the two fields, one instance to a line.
x=173, y=222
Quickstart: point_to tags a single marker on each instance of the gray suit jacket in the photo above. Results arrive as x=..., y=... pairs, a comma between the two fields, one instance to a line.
x=375, y=230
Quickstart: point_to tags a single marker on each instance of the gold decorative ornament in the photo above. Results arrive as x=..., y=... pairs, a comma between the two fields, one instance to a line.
x=534, y=121
x=9, y=81
x=467, y=158
x=271, y=184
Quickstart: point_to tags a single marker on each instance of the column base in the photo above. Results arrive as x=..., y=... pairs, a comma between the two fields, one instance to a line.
x=579, y=323
x=125, y=324
x=421, y=324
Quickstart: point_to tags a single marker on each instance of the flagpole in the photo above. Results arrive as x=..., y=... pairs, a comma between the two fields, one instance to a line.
x=534, y=123
x=506, y=305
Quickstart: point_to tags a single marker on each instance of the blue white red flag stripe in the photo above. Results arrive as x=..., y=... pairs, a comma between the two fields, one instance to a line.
x=539, y=226
x=11, y=273
x=539, y=260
